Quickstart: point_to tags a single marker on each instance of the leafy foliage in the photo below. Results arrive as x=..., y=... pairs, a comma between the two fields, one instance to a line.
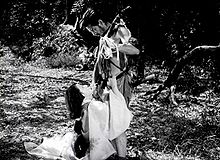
x=165, y=31
x=22, y=21
x=60, y=47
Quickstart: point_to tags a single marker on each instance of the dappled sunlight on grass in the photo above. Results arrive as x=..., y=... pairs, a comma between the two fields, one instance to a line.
x=189, y=130
x=32, y=106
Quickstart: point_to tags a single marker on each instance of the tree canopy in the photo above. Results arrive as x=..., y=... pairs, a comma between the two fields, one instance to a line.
x=164, y=30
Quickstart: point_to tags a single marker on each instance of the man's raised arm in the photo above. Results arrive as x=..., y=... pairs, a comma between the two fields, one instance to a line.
x=128, y=49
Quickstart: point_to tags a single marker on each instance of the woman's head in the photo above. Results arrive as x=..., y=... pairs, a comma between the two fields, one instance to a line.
x=74, y=99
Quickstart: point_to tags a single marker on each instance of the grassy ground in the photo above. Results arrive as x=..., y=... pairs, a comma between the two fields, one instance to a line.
x=32, y=106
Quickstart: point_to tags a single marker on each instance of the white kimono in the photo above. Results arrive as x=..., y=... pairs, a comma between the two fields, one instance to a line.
x=107, y=120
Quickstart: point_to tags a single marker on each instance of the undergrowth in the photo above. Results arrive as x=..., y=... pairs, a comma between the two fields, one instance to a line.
x=32, y=106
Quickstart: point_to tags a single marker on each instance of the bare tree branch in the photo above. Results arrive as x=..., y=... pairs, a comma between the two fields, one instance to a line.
x=177, y=69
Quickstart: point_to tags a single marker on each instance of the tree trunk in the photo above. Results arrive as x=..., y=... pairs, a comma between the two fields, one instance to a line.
x=68, y=8
x=197, y=52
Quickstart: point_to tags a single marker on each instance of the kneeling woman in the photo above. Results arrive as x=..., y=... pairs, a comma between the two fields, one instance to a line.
x=102, y=120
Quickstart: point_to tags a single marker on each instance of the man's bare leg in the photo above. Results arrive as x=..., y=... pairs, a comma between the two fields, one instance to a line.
x=121, y=145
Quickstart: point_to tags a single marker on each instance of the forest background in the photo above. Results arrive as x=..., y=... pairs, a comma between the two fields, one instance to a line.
x=179, y=44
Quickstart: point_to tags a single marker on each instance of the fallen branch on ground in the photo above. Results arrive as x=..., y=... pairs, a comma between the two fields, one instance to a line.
x=177, y=69
x=48, y=77
x=152, y=77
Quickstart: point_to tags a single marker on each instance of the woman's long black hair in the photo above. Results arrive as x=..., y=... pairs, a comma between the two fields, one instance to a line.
x=74, y=99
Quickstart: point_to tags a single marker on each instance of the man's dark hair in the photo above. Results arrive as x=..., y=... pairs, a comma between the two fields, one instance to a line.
x=92, y=16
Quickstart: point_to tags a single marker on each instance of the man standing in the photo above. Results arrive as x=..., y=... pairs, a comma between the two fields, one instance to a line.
x=115, y=43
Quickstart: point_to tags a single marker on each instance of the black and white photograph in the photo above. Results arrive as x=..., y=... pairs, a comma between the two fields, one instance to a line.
x=110, y=80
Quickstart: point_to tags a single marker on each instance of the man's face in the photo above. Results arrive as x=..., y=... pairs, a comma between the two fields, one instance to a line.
x=98, y=29
x=95, y=30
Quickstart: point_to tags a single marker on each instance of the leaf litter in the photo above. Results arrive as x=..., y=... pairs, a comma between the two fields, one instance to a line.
x=32, y=106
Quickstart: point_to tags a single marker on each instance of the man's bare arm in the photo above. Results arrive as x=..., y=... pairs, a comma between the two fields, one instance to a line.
x=128, y=49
